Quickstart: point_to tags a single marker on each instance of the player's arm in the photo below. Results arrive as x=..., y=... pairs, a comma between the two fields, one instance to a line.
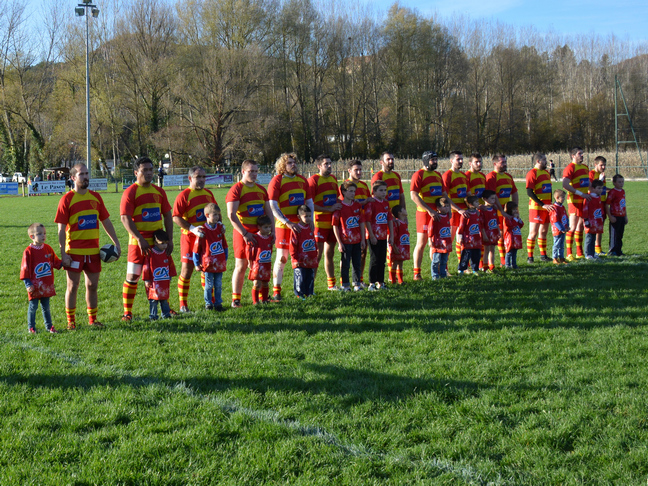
x=390, y=224
x=232, y=209
x=338, y=237
x=532, y=195
x=131, y=229
x=415, y=196
x=67, y=261
x=110, y=230
x=279, y=215
x=566, y=183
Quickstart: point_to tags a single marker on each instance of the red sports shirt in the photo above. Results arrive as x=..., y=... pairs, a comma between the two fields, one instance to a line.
x=476, y=182
x=490, y=224
x=260, y=258
x=362, y=191
x=324, y=190
x=251, y=204
x=593, y=212
x=394, y=186
x=290, y=193
x=502, y=184
x=158, y=270
x=457, y=186
x=617, y=201
x=378, y=214
x=513, y=234
x=470, y=228
x=303, y=249
x=578, y=176
x=38, y=263
x=441, y=234
x=189, y=205
x=211, y=249
x=147, y=207
x=595, y=175
x=81, y=214
x=429, y=186
x=349, y=220
x=401, y=241
x=559, y=220
x=539, y=181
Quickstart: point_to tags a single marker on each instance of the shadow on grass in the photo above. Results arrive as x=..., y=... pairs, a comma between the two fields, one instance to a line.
x=581, y=295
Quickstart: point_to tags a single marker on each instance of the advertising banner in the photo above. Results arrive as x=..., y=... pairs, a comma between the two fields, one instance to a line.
x=46, y=187
x=9, y=188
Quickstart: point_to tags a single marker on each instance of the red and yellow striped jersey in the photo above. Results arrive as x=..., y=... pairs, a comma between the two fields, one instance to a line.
x=290, y=193
x=251, y=203
x=189, y=206
x=362, y=191
x=578, y=176
x=594, y=175
x=394, y=185
x=476, y=182
x=429, y=186
x=324, y=190
x=457, y=186
x=146, y=207
x=81, y=214
x=539, y=181
x=502, y=184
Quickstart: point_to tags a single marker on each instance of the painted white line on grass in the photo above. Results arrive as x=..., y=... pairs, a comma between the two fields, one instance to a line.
x=466, y=472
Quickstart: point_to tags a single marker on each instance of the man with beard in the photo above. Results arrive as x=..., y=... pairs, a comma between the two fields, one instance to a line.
x=475, y=177
x=426, y=187
x=395, y=193
x=78, y=215
x=456, y=185
x=324, y=190
x=539, y=190
x=144, y=209
x=503, y=185
x=575, y=178
x=287, y=191
x=188, y=214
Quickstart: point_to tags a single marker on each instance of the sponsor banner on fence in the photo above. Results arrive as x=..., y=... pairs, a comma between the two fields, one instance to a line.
x=219, y=179
x=9, y=188
x=46, y=187
x=183, y=180
x=175, y=180
x=264, y=178
x=98, y=185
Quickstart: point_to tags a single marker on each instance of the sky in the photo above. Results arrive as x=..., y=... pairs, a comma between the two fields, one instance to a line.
x=626, y=19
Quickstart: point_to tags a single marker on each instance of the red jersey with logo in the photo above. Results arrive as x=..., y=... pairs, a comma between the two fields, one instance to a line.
x=260, y=258
x=617, y=201
x=349, y=220
x=251, y=203
x=378, y=214
x=362, y=191
x=503, y=185
x=476, y=182
x=596, y=175
x=147, y=207
x=211, y=248
x=559, y=220
x=324, y=190
x=38, y=264
x=470, y=228
x=539, y=181
x=513, y=234
x=156, y=273
x=490, y=224
x=303, y=249
x=190, y=205
x=81, y=213
x=578, y=176
x=401, y=241
x=429, y=186
x=441, y=234
x=593, y=212
x=457, y=186
x=290, y=193
x=394, y=185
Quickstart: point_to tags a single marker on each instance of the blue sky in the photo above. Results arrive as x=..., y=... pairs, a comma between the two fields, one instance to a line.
x=626, y=19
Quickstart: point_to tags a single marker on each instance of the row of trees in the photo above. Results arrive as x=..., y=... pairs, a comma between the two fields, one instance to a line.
x=219, y=80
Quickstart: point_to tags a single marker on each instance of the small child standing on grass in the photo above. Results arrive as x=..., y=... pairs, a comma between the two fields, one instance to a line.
x=512, y=234
x=593, y=218
x=399, y=250
x=210, y=257
x=469, y=236
x=349, y=230
x=259, y=257
x=303, y=254
x=559, y=226
x=380, y=227
x=615, y=207
x=36, y=271
x=157, y=272
x=440, y=239
x=490, y=223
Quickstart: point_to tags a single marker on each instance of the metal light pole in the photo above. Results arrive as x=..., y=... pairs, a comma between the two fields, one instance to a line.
x=81, y=10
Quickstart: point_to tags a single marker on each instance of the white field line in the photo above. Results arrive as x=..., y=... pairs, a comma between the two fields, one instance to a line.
x=466, y=472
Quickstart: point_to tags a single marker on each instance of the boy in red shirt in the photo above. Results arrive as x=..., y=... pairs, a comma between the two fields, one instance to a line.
x=615, y=207
x=469, y=236
x=36, y=272
x=380, y=227
x=156, y=273
x=349, y=230
x=593, y=218
x=440, y=239
x=210, y=257
x=490, y=223
x=399, y=250
x=559, y=227
x=303, y=254
x=259, y=256
x=512, y=234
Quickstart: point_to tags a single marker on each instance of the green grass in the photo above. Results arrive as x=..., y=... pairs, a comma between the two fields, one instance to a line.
x=528, y=377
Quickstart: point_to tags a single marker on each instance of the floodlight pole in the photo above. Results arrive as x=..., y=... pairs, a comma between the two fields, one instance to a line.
x=82, y=10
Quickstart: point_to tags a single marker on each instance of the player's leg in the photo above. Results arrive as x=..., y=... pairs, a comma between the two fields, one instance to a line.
x=356, y=256
x=282, y=239
x=92, y=287
x=71, y=291
x=543, y=231
x=133, y=272
x=208, y=291
x=598, y=245
x=345, y=266
x=578, y=237
x=422, y=222
x=329, y=265
x=569, y=236
x=240, y=266
x=531, y=238
x=186, y=270
x=31, y=315
x=218, y=289
x=47, y=314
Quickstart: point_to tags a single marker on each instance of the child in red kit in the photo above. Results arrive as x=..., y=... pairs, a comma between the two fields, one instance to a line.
x=615, y=207
x=440, y=238
x=512, y=234
x=469, y=236
x=210, y=257
x=156, y=273
x=490, y=223
x=349, y=230
x=259, y=257
x=399, y=250
x=303, y=254
x=559, y=227
x=36, y=271
x=380, y=227
x=593, y=218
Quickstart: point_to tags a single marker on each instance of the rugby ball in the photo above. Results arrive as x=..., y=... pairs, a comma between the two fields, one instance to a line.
x=108, y=253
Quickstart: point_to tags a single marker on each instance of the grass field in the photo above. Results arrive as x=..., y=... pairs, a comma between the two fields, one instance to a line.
x=536, y=376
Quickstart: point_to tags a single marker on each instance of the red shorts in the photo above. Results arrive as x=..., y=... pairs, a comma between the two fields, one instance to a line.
x=135, y=255
x=282, y=238
x=239, y=244
x=186, y=247
x=87, y=263
x=576, y=208
x=539, y=216
x=325, y=235
x=422, y=221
